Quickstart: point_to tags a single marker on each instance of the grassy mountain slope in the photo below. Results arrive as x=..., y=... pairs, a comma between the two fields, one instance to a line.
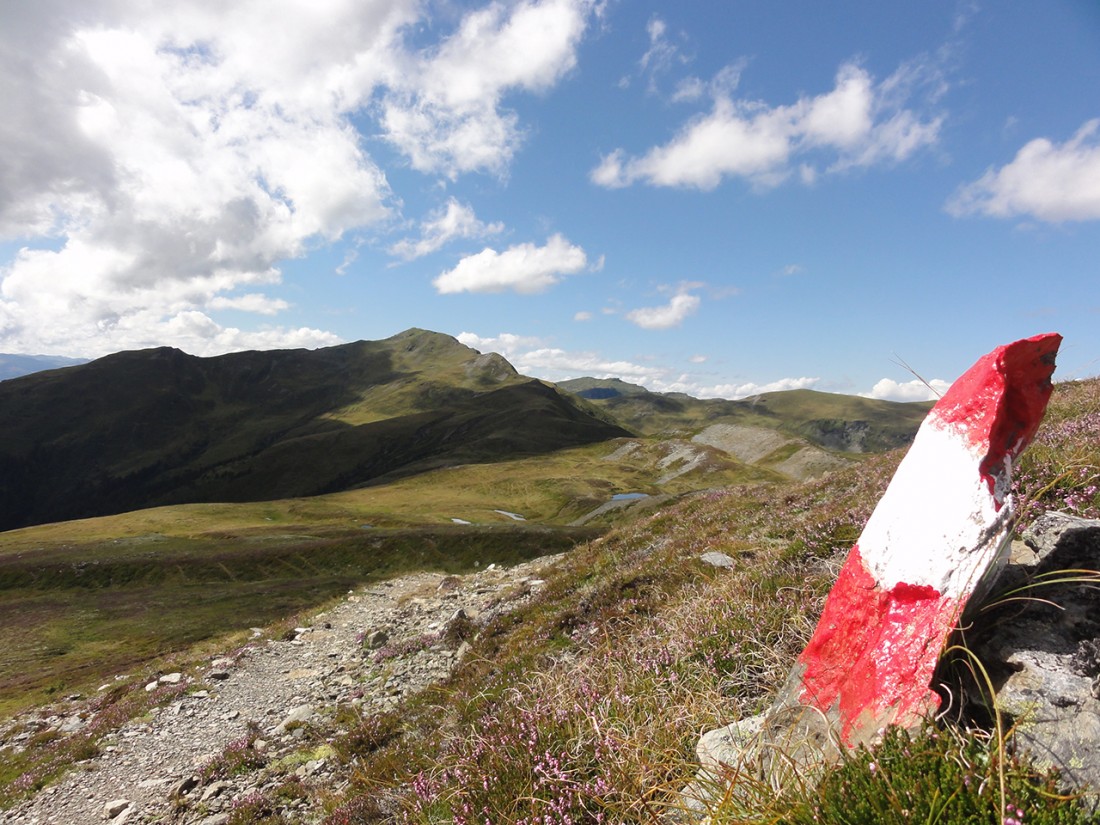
x=139, y=429
x=586, y=706
x=844, y=423
x=80, y=596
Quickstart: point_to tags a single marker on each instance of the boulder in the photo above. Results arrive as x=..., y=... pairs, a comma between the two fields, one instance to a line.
x=1039, y=640
x=716, y=559
x=115, y=807
x=302, y=713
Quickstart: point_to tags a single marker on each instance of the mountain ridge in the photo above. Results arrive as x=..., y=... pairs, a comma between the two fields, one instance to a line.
x=832, y=421
x=150, y=427
x=147, y=428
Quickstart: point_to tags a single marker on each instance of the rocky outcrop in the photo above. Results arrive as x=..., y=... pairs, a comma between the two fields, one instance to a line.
x=1039, y=639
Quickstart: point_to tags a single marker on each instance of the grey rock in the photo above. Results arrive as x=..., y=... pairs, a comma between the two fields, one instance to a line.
x=1062, y=534
x=302, y=713
x=729, y=745
x=214, y=789
x=1044, y=650
x=716, y=559
x=449, y=583
x=184, y=786
x=115, y=807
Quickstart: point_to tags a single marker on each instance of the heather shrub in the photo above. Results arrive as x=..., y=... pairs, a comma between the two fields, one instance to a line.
x=239, y=756
x=935, y=776
x=1061, y=468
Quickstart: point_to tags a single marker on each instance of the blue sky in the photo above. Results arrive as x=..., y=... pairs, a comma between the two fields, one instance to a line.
x=718, y=198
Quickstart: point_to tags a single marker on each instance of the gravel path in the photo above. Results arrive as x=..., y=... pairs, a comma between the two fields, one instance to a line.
x=149, y=767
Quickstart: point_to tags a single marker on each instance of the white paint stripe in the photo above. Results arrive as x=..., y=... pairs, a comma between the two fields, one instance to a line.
x=937, y=523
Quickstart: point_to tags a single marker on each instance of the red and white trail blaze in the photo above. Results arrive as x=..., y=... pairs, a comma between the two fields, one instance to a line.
x=944, y=521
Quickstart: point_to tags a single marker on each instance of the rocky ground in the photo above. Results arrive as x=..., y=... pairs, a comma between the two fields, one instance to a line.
x=383, y=642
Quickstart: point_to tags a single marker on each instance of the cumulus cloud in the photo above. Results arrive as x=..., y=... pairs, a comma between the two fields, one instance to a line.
x=252, y=302
x=535, y=357
x=160, y=160
x=661, y=55
x=857, y=123
x=455, y=220
x=583, y=315
x=721, y=85
x=733, y=391
x=552, y=361
x=889, y=390
x=443, y=111
x=1049, y=181
x=524, y=268
x=680, y=306
x=181, y=168
x=538, y=358
x=507, y=344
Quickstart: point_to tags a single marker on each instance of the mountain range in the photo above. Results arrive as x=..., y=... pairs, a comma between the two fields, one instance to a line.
x=13, y=366
x=155, y=427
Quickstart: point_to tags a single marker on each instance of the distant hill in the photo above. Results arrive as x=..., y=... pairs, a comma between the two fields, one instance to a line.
x=798, y=433
x=844, y=423
x=13, y=366
x=152, y=427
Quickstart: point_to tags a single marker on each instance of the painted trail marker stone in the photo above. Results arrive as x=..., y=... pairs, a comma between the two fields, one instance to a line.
x=942, y=527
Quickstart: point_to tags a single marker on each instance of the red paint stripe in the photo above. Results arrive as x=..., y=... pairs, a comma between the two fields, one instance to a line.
x=874, y=652
x=997, y=404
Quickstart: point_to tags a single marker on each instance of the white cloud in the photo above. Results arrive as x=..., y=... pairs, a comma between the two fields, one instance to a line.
x=536, y=357
x=689, y=89
x=533, y=356
x=350, y=256
x=524, y=268
x=160, y=160
x=889, y=390
x=252, y=302
x=672, y=314
x=583, y=315
x=191, y=148
x=506, y=343
x=722, y=84
x=859, y=122
x=443, y=110
x=661, y=54
x=1048, y=181
x=660, y=51
x=733, y=391
x=791, y=269
x=455, y=220
x=556, y=364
